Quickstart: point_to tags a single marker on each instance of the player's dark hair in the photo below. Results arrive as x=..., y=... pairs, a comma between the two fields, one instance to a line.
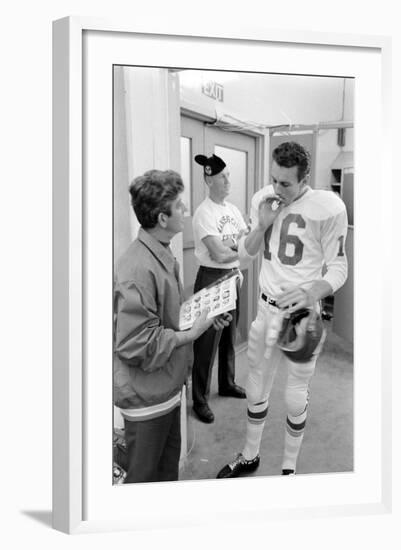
x=153, y=193
x=291, y=154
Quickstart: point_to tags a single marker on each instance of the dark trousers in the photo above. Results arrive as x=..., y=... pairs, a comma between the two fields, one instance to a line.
x=153, y=448
x=205, y=347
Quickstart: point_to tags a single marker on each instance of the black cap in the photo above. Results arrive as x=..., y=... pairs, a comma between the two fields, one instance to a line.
x=212, y=165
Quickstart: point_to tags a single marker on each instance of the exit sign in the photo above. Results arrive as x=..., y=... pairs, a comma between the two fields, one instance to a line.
x=213, y=90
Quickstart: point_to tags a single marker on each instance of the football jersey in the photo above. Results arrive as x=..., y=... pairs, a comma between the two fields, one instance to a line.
x=224, y=221
x=306, y=241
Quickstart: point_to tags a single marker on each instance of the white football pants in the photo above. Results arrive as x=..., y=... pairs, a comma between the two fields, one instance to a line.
x=259, y=384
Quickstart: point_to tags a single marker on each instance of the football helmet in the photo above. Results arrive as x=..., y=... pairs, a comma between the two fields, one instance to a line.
x=302, y=335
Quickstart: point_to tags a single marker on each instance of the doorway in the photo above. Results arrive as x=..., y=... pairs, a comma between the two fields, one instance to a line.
x=239, y=152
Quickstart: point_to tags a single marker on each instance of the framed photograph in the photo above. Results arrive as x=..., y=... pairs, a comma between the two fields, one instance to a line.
x=129, y=99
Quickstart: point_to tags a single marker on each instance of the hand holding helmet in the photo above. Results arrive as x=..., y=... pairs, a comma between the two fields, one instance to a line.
x=302, y=335
x=295, y=297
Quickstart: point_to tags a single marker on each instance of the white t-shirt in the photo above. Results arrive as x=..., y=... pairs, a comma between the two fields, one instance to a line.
x=218, y=220
x=307, y=236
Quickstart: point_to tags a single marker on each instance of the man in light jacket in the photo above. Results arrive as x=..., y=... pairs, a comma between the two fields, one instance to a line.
x=152, y=356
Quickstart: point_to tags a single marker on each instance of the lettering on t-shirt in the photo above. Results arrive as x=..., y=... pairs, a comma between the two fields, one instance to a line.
x=228, y=220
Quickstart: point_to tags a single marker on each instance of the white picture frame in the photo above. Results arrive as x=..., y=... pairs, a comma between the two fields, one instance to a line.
x=81, y=44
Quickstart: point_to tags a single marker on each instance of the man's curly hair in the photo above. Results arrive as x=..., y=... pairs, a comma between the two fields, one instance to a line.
x=291, y=154
x=153, y=193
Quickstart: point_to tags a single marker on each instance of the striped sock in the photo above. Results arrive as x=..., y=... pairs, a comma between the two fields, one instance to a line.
x=254, y=429
x=295, y=427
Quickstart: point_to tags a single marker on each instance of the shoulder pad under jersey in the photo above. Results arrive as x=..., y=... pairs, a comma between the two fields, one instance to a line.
x=322, y=204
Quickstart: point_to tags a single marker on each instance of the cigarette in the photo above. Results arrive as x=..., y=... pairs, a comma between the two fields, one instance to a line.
x=275, y=204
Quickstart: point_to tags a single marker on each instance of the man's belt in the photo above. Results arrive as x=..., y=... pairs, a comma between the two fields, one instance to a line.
x=269, y=300
x=217, y=269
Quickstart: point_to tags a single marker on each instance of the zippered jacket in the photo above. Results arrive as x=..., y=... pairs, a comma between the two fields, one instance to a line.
x=149, y=368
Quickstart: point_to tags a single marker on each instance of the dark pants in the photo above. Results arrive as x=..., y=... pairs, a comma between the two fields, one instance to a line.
x=153, y=448
x=205, y=347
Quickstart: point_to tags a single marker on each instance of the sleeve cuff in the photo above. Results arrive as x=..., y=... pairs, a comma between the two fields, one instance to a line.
x=335, y=280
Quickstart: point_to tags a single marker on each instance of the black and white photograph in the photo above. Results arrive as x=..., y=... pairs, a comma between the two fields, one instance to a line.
x=233, y=274
x=200, y=229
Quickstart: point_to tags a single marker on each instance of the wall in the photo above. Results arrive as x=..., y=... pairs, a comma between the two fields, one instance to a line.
x=122, y=221
x=267, y=99
x=328, y=149
x=150, y=136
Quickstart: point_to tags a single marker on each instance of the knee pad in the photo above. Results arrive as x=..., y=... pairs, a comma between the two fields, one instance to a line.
x=296, y=394
x=253, y=390
x=296, y=400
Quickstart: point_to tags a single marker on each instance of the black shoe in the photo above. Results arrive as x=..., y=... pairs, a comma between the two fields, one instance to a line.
x=233, y=391
x=286, y=472
x=204, y=413
x=239, y=466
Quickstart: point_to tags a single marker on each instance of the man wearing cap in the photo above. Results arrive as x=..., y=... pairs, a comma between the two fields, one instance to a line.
x=217, y=226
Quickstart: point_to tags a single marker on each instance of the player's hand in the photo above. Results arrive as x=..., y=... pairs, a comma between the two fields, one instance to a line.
x=201, y=324
x=293, y=298
x=269, y=209
x=222, y=321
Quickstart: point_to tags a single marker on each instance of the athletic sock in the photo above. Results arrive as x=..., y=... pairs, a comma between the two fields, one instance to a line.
x=254, y=429
x=295, y=427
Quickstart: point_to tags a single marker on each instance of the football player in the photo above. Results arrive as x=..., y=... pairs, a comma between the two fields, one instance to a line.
x=303, y=233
